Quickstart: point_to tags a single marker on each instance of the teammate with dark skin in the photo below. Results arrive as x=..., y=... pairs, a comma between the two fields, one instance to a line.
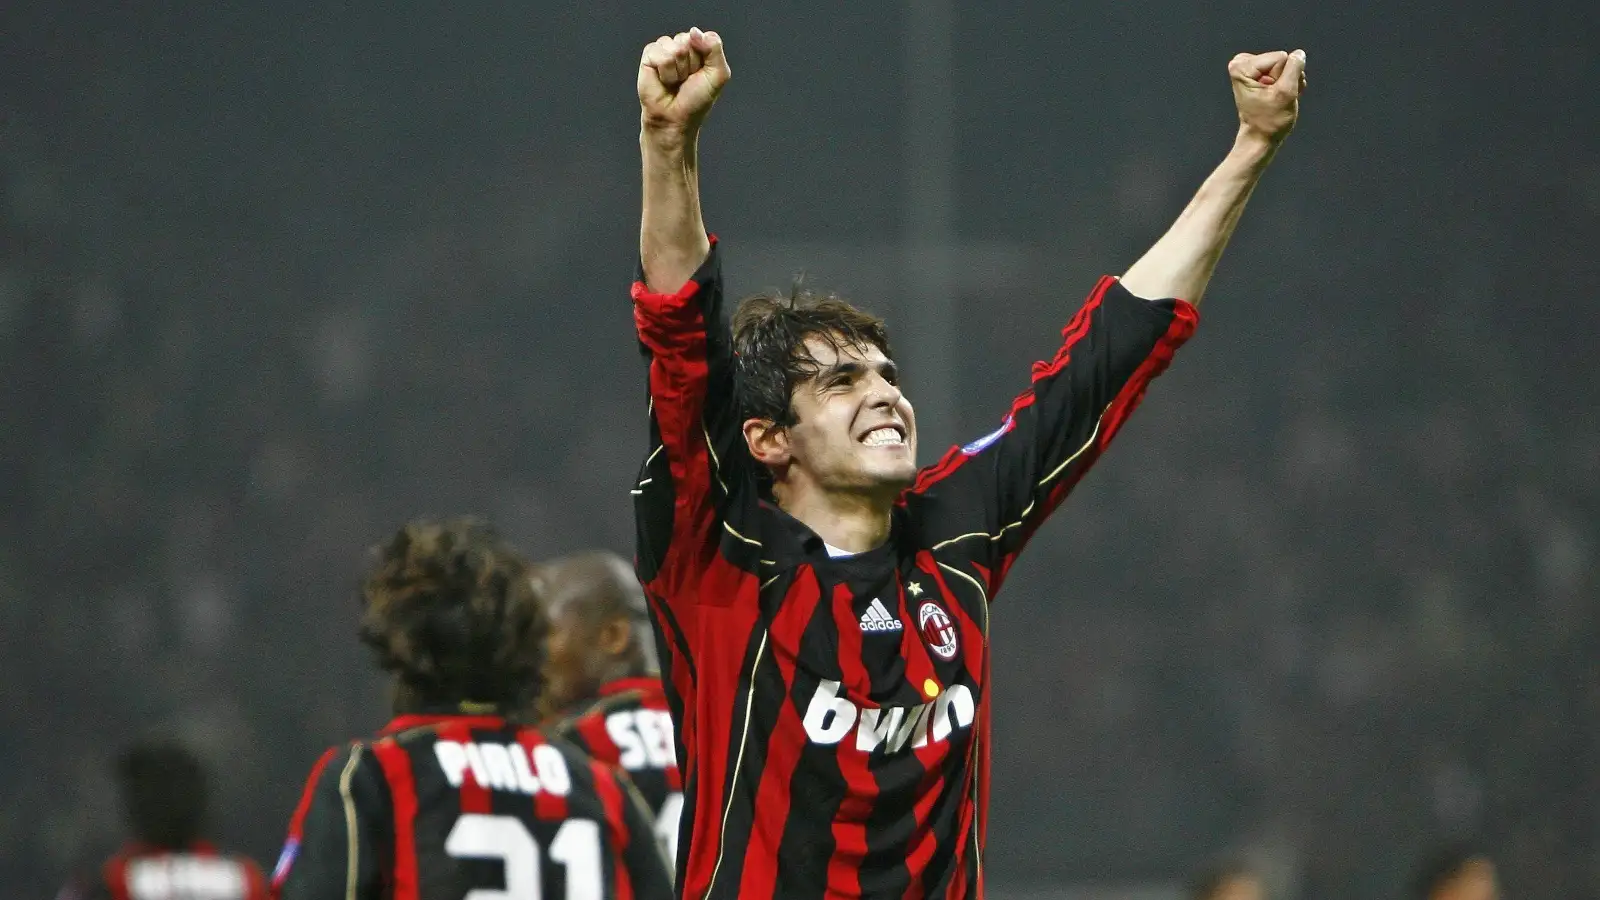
x=599, y=627
x=605, y=691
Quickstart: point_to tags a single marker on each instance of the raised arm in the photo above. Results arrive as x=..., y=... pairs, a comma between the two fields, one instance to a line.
x=679, y=79
x=696, y=453
x=1266, y=90
x=985, y=500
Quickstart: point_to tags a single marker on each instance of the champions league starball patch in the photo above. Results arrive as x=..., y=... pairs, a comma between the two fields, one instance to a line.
x=291, y=849
x=981, y=444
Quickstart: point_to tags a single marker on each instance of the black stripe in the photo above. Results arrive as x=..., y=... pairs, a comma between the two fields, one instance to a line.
x=818, y=786
x=679, y=645
x=740, y=815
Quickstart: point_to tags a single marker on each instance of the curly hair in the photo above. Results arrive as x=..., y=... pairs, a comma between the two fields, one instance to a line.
x=769, y=343
x=163, y=789
x=452, y=615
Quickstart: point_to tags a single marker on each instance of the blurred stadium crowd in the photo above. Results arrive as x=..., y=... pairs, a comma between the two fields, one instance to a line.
x=1344, y=563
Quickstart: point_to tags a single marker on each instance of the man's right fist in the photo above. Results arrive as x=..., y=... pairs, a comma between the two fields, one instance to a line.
x=679, y=79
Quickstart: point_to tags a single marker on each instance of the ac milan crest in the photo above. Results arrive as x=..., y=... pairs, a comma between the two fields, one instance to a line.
x=938, y=632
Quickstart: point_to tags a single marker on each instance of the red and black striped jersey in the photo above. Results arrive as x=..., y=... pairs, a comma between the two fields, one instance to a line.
x=196, y=872
x=629, y=726
x=833, y=712
x=445, y=807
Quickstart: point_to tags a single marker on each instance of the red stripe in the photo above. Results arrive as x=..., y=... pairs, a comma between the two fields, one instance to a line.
x=926, y=842
x=255, y=881
x=297, y=822
x=547, y=805
x=673, y=327
x=919, y=668
x=970, y=630
x=675, y=333
x=592, y=729
x=611, y=799
x=861, y=788
x=713, y=719
x=679, y=676
x=116, y=876
x=770, y=811
x=475, y=797
x=1180, y=329
x=644, y=684
x=396, y=765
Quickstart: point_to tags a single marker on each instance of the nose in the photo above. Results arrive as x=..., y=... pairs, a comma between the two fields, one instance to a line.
x=884, y=393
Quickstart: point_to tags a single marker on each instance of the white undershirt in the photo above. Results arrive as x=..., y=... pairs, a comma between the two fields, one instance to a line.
x=835, y=552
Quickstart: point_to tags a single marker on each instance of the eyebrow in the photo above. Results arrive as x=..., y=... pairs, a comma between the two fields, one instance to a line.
x=852, y=368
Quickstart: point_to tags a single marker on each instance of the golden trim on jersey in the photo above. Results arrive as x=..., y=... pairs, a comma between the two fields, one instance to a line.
x=738, y=762
x=352, y=835
x=1042, y=482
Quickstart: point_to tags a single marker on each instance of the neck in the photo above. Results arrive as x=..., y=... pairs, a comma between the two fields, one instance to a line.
x=854, y=523
x=618, y=669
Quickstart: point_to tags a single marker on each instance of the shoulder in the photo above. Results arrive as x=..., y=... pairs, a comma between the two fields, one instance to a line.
x=555, y=739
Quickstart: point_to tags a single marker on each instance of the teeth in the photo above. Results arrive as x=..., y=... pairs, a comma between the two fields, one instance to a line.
x=880, y=437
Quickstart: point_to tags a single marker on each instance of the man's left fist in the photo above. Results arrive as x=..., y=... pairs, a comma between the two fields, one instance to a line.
x=1266, y=89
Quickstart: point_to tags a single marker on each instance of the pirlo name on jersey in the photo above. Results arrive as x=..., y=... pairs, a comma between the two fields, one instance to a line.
x=505, y=767
x=176, y=877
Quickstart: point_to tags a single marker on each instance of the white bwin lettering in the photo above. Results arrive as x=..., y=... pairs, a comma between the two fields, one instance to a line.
x=829, y=717
x=644, y=736
x=504, y=767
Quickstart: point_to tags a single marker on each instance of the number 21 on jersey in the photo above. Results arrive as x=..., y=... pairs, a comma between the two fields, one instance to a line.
x=505, y=838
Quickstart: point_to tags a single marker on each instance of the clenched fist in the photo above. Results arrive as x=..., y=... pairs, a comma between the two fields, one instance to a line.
x=679, y=79
x=1266, y=89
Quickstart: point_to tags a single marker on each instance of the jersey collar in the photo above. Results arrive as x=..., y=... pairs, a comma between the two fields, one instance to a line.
x=473, y=715
x=193, y=848
x=406, y=723
x=642, y=683
x=793, y=543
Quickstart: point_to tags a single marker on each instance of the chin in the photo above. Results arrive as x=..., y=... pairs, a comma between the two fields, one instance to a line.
x=896, y=478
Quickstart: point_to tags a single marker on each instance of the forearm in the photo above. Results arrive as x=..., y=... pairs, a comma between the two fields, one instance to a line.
x=1182, y=261
x=672, y=232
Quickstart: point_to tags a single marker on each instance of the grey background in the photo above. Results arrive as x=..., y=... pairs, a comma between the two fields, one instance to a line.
x=275, y=277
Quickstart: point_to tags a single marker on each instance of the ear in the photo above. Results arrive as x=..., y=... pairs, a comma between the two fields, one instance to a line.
x=768, y=443
x=615, y=636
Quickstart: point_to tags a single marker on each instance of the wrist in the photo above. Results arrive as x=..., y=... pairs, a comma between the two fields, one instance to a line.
x=668, y=140
x=1254, y=148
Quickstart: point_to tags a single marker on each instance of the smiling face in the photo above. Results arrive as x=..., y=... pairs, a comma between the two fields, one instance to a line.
x=853, y=431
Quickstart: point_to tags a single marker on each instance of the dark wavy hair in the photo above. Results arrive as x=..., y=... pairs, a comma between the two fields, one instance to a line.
x=769, y=343
x=163, y=789
x=451, y=613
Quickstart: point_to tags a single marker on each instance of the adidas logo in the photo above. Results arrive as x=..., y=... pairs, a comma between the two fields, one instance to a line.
x=877, y=619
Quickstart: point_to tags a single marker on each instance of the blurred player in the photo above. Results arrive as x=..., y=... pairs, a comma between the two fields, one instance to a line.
x=604, y=682
x=163, y=789
x=454, y=798
x=1457, y=873
x=823, y=605
x=1228, y=881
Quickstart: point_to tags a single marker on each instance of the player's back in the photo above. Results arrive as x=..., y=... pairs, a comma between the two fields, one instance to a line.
x=197, y=872
x=444, y=806
x=629, y=726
